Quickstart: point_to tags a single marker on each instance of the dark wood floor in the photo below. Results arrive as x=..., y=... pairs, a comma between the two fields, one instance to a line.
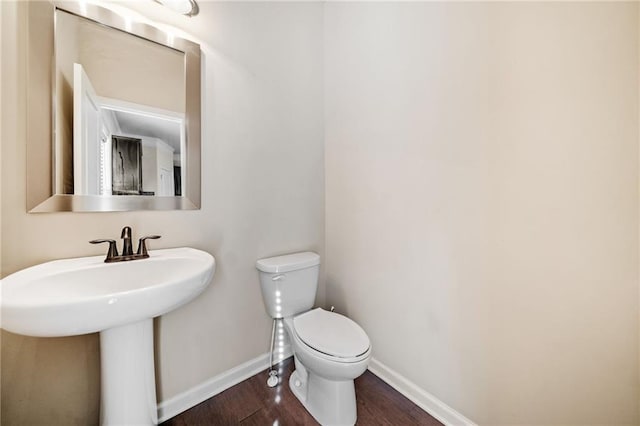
x=253, y=403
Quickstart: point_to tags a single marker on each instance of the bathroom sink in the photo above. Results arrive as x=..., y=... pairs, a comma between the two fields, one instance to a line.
x=118, y=300
x=85, y=295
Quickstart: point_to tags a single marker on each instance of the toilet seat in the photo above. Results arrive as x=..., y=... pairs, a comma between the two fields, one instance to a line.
x=332, y=335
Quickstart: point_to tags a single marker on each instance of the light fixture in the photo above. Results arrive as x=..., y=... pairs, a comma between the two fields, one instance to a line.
x=185, y=7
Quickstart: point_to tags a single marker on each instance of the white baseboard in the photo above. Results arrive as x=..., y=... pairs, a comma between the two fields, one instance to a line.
x=223, y=381
x=199, y=393
x=418, y=396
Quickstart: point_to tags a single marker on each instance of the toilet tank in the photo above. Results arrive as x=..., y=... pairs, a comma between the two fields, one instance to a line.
x=289, y=283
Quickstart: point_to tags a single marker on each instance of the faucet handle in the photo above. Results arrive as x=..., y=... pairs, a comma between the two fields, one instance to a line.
x=142, y=245
x=113, y=250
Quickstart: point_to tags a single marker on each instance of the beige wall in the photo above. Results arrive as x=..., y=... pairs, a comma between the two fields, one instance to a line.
x=262, y=191
x=482, y=201
x=3, y=48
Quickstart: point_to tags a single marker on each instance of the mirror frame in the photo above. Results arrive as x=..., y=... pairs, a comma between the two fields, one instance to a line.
x=41, y=66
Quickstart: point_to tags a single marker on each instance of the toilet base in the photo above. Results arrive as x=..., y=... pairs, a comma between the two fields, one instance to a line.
x=331, y=403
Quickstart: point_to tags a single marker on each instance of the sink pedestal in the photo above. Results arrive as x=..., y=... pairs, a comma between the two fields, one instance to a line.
x=127, y=375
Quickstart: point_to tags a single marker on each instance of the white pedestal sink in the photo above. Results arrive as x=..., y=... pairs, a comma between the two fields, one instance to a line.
x=85, y=295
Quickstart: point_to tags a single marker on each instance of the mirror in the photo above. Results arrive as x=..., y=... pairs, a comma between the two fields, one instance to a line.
x=125, y=113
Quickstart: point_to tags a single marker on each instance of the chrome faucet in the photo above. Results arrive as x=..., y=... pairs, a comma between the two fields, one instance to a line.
x=127, y=248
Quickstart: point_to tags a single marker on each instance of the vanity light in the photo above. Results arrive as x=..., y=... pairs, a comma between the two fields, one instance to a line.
x=185, y=7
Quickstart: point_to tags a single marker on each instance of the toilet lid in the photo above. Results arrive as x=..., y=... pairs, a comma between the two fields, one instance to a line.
x=331, y=333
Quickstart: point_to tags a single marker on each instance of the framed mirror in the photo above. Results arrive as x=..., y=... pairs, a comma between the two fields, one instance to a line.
x=113, y=113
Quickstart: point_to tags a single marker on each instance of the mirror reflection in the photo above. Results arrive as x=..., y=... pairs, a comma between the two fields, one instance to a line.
x=121, y=148
x=119, y=112
x=119, y=128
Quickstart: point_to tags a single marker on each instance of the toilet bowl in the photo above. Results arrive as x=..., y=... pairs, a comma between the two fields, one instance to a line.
x=329, y=349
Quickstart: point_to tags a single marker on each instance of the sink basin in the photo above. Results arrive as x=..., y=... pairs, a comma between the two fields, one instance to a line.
x=118, y=300
x=85, y=295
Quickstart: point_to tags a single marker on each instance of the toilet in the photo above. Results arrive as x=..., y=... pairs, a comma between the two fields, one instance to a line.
x=329, y=349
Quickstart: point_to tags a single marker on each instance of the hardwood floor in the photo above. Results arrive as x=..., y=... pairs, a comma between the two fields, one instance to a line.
x=253, y=403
